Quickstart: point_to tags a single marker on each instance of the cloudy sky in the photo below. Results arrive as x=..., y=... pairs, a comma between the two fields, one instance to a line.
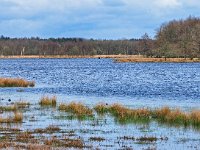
x=100, y=19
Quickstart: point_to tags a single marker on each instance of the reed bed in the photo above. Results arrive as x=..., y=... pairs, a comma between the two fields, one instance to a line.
x=78, y=109
x=48, y=101
x=123, y=114
x=101, y=108
x=144, y=115
x=15, y=82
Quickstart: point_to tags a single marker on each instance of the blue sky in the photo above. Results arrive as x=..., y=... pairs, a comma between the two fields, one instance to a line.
x=99, y=19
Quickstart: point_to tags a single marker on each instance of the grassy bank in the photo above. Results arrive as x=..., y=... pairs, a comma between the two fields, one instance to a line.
x=143, y=59
x=117, y=58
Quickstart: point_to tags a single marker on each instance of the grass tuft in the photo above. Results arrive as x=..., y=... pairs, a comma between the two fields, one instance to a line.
x=78, y=109
x=48, y=101
x=17, y=118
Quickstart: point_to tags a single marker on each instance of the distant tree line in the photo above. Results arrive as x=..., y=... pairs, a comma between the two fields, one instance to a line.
x=69, y=46
x=177, y=38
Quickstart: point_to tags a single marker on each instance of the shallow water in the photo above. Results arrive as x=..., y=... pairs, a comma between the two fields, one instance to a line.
x=101, y=80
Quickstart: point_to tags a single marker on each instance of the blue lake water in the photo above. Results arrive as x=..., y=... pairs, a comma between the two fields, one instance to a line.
x=102, y=80
x=174, y=84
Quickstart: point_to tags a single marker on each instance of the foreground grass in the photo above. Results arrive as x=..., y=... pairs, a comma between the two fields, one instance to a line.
x=15, y=82
x=162, y=115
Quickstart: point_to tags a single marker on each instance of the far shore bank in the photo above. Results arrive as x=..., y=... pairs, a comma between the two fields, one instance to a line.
x=116, y=58
x=68, y=56
x=144, y=59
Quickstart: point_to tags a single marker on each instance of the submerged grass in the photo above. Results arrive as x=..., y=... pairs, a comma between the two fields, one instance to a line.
x=22, y=104
x=15, y=82
x=48, y=101
x=8, y=108
x=17, y=118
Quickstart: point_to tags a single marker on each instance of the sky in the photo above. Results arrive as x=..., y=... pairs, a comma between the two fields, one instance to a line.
x=98, y=19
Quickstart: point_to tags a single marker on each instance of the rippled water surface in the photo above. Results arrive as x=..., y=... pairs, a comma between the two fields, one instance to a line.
x=102, y=80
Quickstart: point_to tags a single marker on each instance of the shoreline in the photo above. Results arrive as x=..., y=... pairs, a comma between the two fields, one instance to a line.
x=116, y=58
x=157, y=60
x=67, y=56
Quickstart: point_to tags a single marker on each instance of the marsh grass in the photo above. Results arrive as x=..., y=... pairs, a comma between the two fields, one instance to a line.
x=15, y=82
x=8, y=108
x=17, y=118
x=172, y=117
x=48, y=101
x=164, y=115
x=77, y=109
x=66, y=142
x=101, y=108
x=14, y=107
x=48, y=130
x=123, y=114
x=195, y=118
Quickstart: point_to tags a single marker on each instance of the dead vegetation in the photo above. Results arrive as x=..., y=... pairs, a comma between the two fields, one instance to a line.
x=77, y=109
x=17, y=118
x=48, y=101
x=144, y=115
x=15, y=82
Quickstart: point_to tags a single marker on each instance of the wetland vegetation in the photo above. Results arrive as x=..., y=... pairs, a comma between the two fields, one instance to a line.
x=58, y=136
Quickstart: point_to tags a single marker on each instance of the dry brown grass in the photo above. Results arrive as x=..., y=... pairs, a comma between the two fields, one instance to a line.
x=17, y=118
x=101, y=108
x=15, y=82
x=77, y=109
x=24, y=137
x=175, y=116
x=49, y=130
x=195, y=117
x=55, y=142
x=124, y=114
x=48, y=101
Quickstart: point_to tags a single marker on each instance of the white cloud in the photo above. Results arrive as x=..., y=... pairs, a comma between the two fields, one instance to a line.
x=167, y=3
x=55, y=17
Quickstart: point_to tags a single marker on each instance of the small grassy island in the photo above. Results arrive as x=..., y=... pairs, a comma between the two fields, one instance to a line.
x=15, y=82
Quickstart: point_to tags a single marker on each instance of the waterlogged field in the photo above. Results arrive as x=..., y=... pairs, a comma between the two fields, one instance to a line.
x=44, y=114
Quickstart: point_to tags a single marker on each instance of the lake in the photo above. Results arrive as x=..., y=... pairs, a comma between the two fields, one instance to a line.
x=91, y=81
